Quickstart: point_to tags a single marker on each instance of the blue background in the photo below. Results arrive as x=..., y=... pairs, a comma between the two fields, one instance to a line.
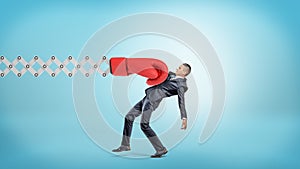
x=258, y=45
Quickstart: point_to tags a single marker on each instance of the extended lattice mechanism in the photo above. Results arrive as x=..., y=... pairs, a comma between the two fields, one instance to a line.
x=61, y=66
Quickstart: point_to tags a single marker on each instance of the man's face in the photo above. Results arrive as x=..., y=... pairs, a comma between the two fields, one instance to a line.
x=181, y=71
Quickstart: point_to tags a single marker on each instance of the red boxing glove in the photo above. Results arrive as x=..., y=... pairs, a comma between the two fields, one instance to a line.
x=155, y=70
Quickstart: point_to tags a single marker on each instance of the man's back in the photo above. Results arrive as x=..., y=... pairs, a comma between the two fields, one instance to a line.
x=168, y=88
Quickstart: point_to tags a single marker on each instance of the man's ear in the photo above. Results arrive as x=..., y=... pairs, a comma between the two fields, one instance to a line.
x=185, y=71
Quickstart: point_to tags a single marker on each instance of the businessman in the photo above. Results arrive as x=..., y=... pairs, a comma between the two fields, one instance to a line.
x=175, y=84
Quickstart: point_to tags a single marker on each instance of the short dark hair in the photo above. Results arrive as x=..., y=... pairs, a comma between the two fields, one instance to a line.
x=188, y=67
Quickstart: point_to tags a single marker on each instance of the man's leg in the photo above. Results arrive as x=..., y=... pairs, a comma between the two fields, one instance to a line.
x=148, y=108
x=128, y=122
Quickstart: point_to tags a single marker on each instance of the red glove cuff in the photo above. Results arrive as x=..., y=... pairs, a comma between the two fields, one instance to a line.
x=118, y=66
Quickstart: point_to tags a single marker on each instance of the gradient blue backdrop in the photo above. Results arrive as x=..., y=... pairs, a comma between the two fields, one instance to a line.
x=258, y=45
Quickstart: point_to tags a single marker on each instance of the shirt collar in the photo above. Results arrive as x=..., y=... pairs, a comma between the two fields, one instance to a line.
x=177, y=77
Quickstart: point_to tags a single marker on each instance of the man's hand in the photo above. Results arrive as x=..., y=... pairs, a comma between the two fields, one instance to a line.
x=184, y=124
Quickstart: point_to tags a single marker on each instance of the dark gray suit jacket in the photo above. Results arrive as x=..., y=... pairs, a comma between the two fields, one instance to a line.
x=169, y=88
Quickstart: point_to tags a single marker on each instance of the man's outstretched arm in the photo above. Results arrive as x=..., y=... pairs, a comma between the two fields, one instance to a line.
x=181, y=103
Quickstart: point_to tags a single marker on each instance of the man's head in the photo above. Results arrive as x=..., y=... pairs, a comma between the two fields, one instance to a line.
x=183, y=70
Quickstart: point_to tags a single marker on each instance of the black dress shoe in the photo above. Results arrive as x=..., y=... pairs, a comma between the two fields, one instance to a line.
x=158, y=154
x=121, y=148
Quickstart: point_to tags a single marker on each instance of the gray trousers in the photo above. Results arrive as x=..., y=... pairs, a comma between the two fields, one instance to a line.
x=145, y=108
